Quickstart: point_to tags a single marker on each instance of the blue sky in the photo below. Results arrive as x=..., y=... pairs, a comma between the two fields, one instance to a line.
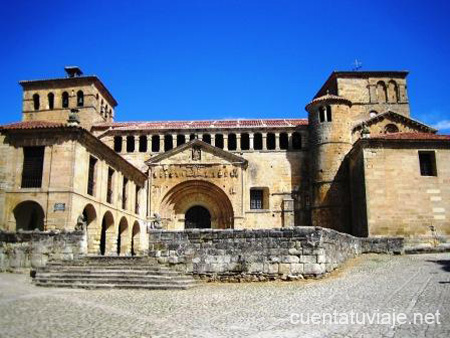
x=172, y=60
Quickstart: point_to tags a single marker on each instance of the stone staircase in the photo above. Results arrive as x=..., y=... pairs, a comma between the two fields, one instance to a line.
x=95, y=272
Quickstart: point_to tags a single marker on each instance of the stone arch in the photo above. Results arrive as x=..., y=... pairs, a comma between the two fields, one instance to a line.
x=136, y=247
x=187, y=194
x=381, y=92
x=391, y=129
x=29, y=215
x=393, y=91
x=107, y=238
x=92, y=229
x=123, y=240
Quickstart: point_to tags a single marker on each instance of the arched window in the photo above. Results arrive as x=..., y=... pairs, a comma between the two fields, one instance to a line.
x=219, y=141
x=207, y=138
x=51, y=101
x=36, y=101
x=80, y=99
x=142, y=144
x=296, y=141
x=130, y=144
x=192, y=137
x=381, y=92
x=118, y=143
x=393, y=91
x=270, y=141
x=245, y=141
x=257, y=141
x=325, y=114
x=155, y=143
x=168, y=142
x=390, y=129
x=373, y=113
x=232, y=142
x=284, y=141
x=181, y=139
x=65, y=99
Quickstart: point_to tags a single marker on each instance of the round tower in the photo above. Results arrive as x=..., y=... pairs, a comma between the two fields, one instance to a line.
x=330, y=140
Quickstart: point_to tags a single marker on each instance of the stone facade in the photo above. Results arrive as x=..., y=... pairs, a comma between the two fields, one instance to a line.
x=127, y=177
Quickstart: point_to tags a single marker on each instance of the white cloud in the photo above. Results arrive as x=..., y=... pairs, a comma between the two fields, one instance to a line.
x=444, y=124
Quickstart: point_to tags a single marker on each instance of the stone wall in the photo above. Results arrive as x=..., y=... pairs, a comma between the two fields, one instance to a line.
x=32, y=249
x=252, y=255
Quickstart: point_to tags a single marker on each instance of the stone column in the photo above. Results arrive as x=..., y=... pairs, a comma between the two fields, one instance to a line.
x=124, y=144
x=225, y=141
x=136, y=143
x=277, y=141
x=187, y=138
x=290, y=146
x=252, y=144
x=149, y=143
x=161, y=143
x=264, y=141
x=174, y=141
x=213, y=139
x=238, y=142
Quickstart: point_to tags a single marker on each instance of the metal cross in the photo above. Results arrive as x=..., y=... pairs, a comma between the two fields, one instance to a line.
x=357, y=65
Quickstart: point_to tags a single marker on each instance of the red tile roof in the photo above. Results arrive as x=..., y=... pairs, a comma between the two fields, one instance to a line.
x=32, y=125
x=411, y=136
x=203, y=124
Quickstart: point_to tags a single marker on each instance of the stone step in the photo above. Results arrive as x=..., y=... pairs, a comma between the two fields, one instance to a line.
x=110, y=275
x=115, y=286
x=122, y=267
x=112, y=270
x=109, y=280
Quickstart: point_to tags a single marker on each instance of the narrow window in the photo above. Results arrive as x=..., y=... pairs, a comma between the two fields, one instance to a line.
x=36, y=101
x=142, y=144
x=219, y=141
x=124, y=193
x=284, y=141
x=33, y=164
x=393, y=91
x=427, y=161
x=118, y=144
x=258, y=141
x=130, y=144
x=80, y=98
x=296, y=141
x=168, y=142
x=51, y=101
x=381, y=92
x=322, y=111
x=329, y=119
x=136, y=204
x=155, y=143
x=91, y=176
x=65, y=99
x=109, y=192
x=245, y=141
x=325, y=114
x=256, y=199
x=181, y=139
x=232, y=142
x=207, y=138
x=270, y=141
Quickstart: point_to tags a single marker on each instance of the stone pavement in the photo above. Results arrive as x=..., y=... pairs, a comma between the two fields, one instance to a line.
x=369, y=284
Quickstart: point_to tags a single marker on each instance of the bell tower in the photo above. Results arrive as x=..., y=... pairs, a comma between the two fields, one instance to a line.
x=53, y=99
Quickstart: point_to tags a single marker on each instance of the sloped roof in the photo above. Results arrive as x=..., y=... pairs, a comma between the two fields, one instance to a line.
x=403, y=118
x=33, y=125
x=329, y=98
x=411, y=136
x=215, y=150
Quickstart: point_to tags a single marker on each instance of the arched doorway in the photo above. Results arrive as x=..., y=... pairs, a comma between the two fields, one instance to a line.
x=135, y=239
x=106, y=236
x=197, y=217
x=186, y=195
x=29, y=215
x=90, y=216
x=123, y=243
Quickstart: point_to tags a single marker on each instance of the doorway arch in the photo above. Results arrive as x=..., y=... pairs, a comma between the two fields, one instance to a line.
x=107, y=239
x=135, y=239
x=123, y=242
x=178, y=200
x=197, y=217
x=90, y=215
x=29, y=215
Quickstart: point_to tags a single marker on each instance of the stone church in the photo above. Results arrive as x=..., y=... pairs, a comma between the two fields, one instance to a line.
x=358, y=164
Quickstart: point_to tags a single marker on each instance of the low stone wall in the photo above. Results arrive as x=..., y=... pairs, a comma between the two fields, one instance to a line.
x=252, y=255
x=32, y=249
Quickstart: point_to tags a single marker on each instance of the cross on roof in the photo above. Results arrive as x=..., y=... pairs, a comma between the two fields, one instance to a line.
x=357, y=65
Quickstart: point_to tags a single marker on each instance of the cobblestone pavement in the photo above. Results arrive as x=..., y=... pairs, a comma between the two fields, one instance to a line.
x=370, y=284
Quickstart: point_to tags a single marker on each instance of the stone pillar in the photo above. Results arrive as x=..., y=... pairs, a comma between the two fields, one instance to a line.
x=238, y=142
x=290, y=147
x=200, y=136
x=213, y=139
x=136, y=143
x=187, y=138
x=161, y=143
x=264, y=141
x=174, y=141
x=149, y=143
x=252, y=144
x=277, y=141
x=124, y=144
x=225, y=141
x=288, y=213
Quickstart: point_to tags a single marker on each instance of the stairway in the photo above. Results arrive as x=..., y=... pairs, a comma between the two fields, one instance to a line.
x=95, y=272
